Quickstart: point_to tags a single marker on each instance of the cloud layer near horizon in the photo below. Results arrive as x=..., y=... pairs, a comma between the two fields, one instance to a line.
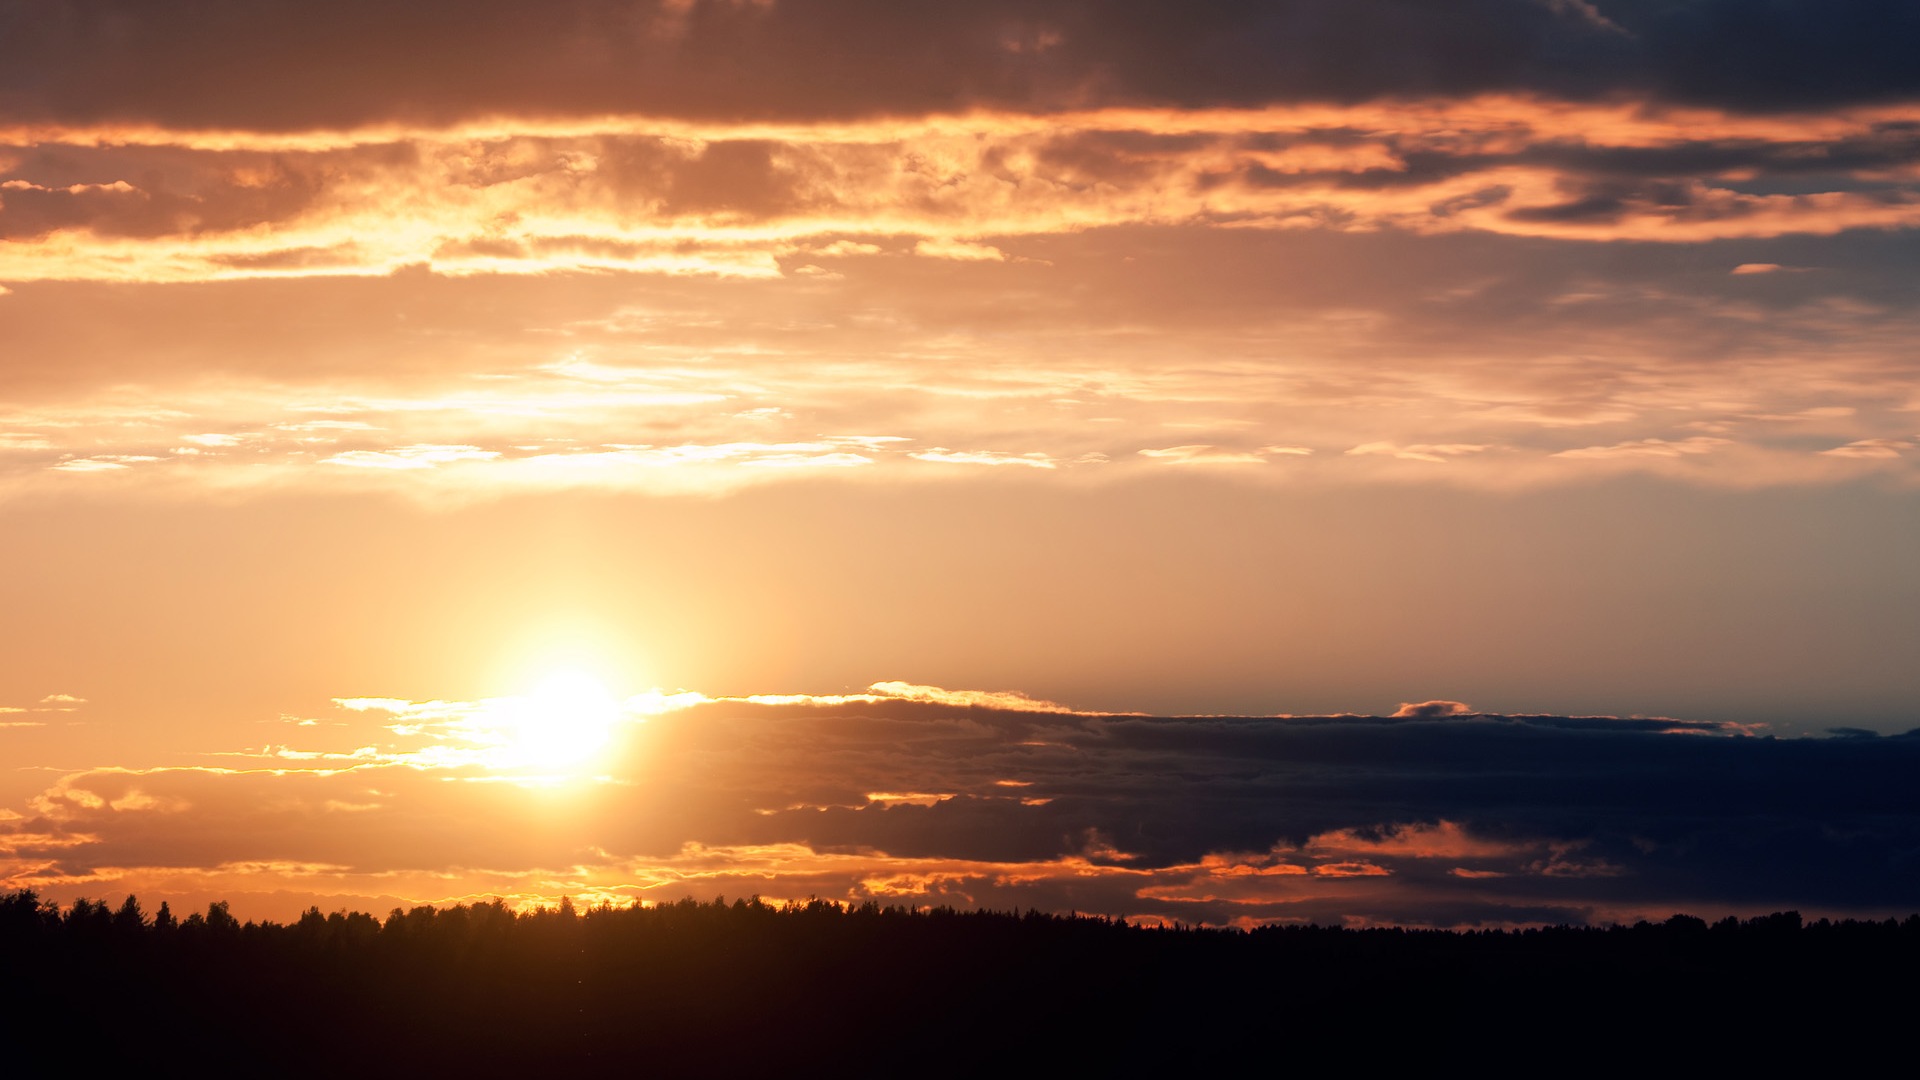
x=907, y=794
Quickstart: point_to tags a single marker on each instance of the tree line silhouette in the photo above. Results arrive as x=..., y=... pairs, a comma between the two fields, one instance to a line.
x=744, y=986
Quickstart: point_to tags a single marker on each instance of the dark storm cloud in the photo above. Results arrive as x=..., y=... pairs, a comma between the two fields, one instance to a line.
x=274, y=66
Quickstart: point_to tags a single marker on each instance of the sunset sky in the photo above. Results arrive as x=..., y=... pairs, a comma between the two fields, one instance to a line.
x=632, y=449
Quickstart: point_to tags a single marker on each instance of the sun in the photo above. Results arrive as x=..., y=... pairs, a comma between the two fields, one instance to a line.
x=567, y=720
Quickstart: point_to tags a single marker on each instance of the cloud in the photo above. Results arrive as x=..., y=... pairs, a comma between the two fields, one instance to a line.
x=733, y=199
x=1438, y=453
x=882, y=692
x=1659, y=448
x=1873, y=449
x=1437, y=840
x=1584, y=11
x=1431, y=710
x=102, y=463
x=1031, y=459
x=1200, y=454
x=1351, y=869
x=995, y=799
x=1398, y=318
x=962, y=250
x=845, y=248
x=595, y=57
x=1002, y=699
x=421, y=456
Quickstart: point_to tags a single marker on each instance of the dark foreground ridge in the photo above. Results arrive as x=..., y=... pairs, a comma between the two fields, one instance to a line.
x=747, y=988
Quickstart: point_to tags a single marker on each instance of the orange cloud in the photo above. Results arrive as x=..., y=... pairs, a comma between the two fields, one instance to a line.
x=1429, y=710
x=1358, y=868
x=790, y=308
x=731, y=200
x=1444, y=840
x=1438, y=453
x=1699, y=444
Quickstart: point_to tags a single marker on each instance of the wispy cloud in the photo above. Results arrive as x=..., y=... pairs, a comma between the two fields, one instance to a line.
x=536, y=197
x=1698, y=444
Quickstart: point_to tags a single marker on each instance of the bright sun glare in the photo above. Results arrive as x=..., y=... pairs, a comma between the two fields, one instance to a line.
x=564, y=722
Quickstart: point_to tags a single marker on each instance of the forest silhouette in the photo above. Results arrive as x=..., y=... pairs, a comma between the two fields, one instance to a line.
x=745, y=988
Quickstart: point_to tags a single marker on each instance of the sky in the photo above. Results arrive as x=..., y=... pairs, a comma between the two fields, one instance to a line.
x=1360, y=461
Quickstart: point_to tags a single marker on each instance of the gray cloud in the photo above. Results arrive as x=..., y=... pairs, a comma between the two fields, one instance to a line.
x=233, y=63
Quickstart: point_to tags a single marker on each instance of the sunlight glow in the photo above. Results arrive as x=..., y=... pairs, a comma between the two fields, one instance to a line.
x=566, y=721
